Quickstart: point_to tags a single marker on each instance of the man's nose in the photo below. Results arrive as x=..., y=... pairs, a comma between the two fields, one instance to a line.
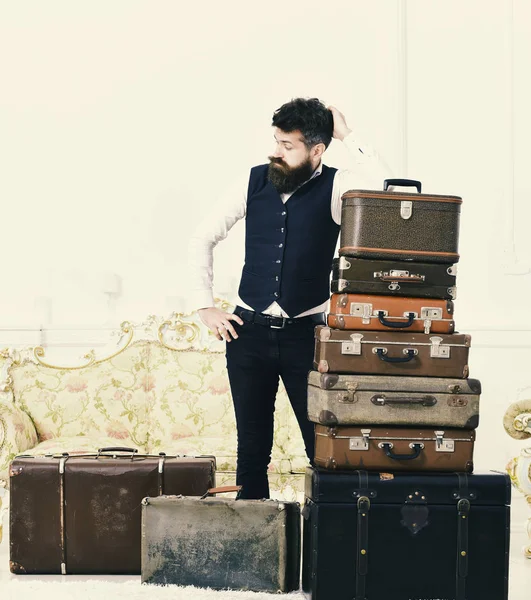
x=278, y=151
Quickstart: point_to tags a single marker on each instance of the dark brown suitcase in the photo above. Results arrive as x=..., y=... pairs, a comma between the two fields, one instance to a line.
x=393, y=278
x=400, y=225
x=391, y=353
x=388, y=313
x=81, y=513
x=394, y=449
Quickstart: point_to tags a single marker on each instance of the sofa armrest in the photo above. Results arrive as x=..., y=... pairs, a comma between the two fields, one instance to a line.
x=17, y=434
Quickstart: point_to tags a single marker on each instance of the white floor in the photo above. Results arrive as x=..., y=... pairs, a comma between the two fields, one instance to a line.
x=520, y=567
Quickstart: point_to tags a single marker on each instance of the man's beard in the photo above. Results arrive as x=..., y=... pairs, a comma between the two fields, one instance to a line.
x=288, y=179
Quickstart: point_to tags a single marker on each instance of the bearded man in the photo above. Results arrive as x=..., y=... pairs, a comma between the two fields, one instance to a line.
x=292, y=211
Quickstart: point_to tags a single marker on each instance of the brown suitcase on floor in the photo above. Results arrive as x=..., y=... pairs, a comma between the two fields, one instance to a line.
x=391, y=353
x=82, y=513
x=394, y=449
x=388, y=313
x=400, y=225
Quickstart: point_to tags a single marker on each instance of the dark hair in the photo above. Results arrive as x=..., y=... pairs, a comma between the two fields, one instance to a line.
x=310, y=116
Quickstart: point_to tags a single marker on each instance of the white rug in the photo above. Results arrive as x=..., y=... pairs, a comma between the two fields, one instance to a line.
x=30, y=589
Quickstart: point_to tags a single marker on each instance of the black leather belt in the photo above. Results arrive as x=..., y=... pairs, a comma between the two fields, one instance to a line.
x=250, y=316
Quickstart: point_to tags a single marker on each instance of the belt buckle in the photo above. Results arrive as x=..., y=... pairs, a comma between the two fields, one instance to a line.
x=279, y=326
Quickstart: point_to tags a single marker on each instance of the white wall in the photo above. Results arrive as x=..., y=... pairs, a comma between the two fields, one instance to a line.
x=121, y=121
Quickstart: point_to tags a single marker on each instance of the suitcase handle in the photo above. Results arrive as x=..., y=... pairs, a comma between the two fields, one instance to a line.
x=394, y=324
x=388, y=449
x=382, y=400
x=403, y=182
x=223, y=490
x=411, y=353
x=403, y=278
x=117, y=449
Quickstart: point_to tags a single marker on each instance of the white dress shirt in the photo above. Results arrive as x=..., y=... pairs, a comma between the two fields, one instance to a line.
x=367, y=171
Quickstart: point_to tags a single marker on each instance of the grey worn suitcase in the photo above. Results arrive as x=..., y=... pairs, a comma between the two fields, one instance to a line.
x=391, y=353
x=81, y=513
x=399, y=225
x=382, y=400
x=221, y=543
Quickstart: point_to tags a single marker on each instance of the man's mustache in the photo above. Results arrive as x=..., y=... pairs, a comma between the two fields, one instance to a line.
x=277, y=161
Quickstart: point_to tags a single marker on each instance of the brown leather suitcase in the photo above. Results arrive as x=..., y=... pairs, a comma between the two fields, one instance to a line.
x=400, y=225
x=382, y=400
x=82, y=513
x=394, y=449
x=391, y=353
x=388, y=313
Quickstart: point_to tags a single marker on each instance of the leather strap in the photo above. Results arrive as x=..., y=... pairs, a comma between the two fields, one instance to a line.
x=362, y=556
x=463, y=510
x=160, y=477
x=62, y=510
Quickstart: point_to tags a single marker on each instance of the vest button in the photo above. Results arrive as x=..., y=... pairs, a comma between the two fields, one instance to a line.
x=278, y=262
x=280, y=245
x=276, y=278
x=283, y=213
x=275, y=294
x=282, y=230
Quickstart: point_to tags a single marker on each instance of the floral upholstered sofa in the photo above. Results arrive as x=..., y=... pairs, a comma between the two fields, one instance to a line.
x=162, y=387
x=517, y=423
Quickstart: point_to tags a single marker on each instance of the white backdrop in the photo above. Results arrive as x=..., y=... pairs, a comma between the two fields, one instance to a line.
x=122, y=120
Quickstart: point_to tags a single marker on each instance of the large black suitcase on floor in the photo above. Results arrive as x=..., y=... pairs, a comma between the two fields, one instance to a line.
x=379, y=536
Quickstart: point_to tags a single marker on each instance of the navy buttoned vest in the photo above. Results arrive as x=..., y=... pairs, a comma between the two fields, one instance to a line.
x=289, y=247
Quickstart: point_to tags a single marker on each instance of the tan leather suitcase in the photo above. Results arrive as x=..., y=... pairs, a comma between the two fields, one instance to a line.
x=391, y=353
x=394, y=449
x=388, y=313
x=81, y=513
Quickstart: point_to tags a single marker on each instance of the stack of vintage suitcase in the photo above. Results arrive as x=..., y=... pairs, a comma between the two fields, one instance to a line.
x=391, y=508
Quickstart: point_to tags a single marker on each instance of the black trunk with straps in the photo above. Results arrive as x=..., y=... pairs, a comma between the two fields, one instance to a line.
x=406, y=536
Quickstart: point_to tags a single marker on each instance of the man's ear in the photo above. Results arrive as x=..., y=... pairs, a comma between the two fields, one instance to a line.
x=318, y=150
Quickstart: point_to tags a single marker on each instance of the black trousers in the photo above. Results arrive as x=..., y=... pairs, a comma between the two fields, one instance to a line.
x=255, y=362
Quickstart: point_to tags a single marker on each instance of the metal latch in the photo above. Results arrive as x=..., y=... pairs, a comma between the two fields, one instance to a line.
x=354, y=346
x=406, y=209
x=360, y=443
x=344, y=264
x=442, y=445
x=427, y=312
x=437, y=349
x=350, y=394
x=359, y=309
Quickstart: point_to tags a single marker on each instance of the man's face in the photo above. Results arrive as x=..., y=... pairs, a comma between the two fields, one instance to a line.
x=290, y=150
x=291, y=164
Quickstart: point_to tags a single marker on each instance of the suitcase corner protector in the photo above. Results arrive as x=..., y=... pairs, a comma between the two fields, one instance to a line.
x=16, y=568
